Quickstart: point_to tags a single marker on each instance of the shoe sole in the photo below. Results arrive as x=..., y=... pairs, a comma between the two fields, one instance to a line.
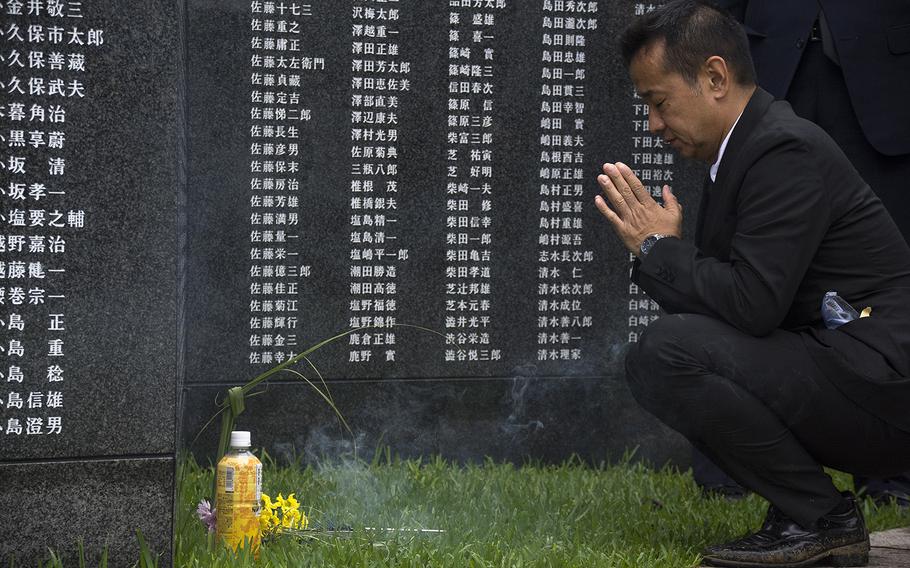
x=845, y=556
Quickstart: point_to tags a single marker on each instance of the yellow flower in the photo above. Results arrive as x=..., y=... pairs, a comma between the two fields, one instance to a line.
x=279, y=514
x=287, y=521
x=268, y=520
x=291, y=502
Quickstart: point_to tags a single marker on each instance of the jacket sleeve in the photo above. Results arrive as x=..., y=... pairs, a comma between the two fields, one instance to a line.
x=781, y=218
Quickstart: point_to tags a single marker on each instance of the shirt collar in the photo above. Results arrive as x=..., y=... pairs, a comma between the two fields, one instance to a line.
x=723, y=146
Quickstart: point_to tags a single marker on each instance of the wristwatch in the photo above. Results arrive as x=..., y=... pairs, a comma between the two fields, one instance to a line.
x=648, y=243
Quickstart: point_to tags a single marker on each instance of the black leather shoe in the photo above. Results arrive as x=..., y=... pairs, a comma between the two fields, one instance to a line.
x=837, y=539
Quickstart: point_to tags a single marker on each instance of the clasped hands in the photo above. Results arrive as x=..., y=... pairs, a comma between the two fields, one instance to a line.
x=632, y=211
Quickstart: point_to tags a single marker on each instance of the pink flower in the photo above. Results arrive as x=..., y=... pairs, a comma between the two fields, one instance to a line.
x=206, y=514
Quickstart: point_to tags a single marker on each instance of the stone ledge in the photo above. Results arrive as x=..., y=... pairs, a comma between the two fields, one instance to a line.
x=890, y=549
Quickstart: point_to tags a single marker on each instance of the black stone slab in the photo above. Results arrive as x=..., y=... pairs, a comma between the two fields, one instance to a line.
x=106, y=76
x=521, y=419
x=229, y=91
x=219, y=91
x=103, y=503
x=119, y=336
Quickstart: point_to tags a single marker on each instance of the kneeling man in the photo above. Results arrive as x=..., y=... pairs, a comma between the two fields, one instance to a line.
x=746, y=366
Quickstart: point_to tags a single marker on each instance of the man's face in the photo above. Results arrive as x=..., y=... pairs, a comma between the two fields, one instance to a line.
x=683, y=114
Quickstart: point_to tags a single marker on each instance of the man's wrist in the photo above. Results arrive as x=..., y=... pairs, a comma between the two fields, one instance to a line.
x=648, y=243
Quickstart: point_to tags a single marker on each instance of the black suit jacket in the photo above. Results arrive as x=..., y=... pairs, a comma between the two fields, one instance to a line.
x=873, y=46
x=787, y=220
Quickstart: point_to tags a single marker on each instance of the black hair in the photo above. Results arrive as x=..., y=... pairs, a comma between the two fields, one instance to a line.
x=693, y=31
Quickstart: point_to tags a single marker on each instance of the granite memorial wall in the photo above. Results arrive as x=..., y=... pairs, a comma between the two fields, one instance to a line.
x=89, y=139
x=373, y=165
x=194, y=192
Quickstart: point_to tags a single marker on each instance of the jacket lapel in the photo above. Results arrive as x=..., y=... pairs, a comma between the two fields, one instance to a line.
x=752, y=115
x=717, y=217
x=702, y=210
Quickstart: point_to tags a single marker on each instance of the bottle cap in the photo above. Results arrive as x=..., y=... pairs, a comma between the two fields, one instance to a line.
x=240, y=439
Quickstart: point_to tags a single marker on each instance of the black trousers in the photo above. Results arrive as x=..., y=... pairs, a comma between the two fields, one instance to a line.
x=761, y=410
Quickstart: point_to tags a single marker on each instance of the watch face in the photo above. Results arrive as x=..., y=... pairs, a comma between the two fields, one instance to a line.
x=648, y=243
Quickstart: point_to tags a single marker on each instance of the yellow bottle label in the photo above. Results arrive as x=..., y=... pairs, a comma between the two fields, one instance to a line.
x=237, y=499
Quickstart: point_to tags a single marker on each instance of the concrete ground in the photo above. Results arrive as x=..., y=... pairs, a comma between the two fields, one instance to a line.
x=890, y=549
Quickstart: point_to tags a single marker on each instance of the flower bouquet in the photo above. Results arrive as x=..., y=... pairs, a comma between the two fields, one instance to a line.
x=281, y=515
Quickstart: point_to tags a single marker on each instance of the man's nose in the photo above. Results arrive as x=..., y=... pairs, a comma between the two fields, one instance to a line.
x=655, y=124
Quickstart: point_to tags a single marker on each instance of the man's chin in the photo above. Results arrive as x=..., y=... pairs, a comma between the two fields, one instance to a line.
x=690, y=153
x=684, y=151
x=678, y=147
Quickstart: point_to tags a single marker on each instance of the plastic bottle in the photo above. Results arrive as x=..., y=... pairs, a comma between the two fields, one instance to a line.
x=836, y=311
x=237, y=494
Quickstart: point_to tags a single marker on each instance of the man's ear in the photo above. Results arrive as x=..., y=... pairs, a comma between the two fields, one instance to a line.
x=717, y=76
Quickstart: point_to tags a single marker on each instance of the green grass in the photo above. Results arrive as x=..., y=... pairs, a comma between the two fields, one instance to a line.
x=494, y=514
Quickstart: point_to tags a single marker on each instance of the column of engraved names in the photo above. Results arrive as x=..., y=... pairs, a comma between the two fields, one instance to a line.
x=379, y=79
x=562, y=256
x=469, y=181
x=278, y=69
x=45, y=51
x=653, y=163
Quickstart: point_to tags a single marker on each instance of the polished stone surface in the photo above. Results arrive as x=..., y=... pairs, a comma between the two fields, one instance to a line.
x=420, y=402
x=103, y=503
x=120, y=277
x=110, y=469
x=548, y=420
